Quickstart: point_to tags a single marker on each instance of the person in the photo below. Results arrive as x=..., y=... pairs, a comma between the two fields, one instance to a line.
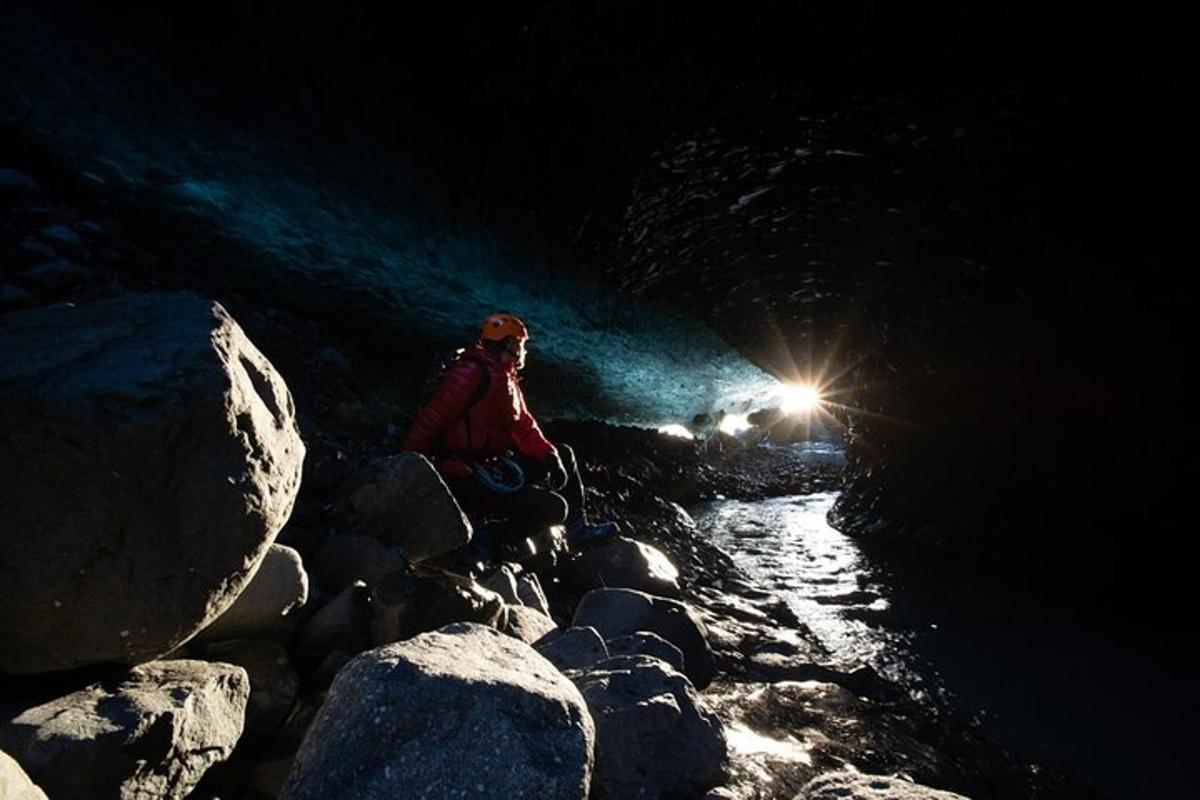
x=491, y=451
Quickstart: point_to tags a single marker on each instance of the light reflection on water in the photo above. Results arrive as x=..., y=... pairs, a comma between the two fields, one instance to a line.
x=786, y=543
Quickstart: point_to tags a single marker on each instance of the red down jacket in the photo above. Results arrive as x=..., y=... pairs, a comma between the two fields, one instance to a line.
x=453, y=431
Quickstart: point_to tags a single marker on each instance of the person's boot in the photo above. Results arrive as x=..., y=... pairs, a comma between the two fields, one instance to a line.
x=581, y=532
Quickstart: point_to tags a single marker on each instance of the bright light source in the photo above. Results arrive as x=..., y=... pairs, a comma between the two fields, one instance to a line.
x=798, y=398
x=733, y=424
x=675, y=429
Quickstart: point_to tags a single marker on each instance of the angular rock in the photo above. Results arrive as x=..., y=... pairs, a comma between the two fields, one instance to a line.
x=857, y=786
x=56, y=276
x=529, y=589
x=647, y=644
x=350, y=557
x=402, y=501
x=273, y=683
x=151, y=455
x=624, y=563
x=152, y=734
x=527, y=624
x=279, y=587
x=461, y=712
x=404, y=605
x=619, y=612
x=572, y=648
x=342, y=624
x=504, y=583
x=653, y=739
x=14, y=783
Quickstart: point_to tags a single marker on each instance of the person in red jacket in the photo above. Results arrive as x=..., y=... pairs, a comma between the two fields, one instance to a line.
x=477, y=419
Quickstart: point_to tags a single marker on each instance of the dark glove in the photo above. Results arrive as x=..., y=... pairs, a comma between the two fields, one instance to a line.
x=556, y=473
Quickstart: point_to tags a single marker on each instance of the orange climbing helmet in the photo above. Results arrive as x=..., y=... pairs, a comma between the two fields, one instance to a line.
x=498, y=327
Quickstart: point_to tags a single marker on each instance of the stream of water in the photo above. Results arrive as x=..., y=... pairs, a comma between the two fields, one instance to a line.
x=1101, y=698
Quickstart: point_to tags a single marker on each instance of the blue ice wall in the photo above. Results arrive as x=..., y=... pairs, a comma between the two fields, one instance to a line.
x=616, y=359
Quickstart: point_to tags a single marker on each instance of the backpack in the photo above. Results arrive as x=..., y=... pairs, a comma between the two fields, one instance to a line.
x=442, y=361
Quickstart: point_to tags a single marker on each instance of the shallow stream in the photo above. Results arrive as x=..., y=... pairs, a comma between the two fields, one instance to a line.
x=1099, y=697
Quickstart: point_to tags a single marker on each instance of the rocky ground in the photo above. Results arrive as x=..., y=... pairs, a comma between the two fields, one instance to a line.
x=223, y=628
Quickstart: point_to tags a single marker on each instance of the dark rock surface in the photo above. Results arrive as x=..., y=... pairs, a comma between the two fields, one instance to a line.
x=464, y=711
x=572, y=648
x=402, y=501
x=620, y=612
x=625, y=563
x=349, y=557
x=151, y=456
x=278, y=588
x=647, y=644
x=403, y=605
x=274, y=685
x=856, y=786
x=151, y=733
x=527, y=624
x=653, y=737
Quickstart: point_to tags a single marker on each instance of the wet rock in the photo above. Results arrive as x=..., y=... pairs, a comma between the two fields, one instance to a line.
x=64, y=240
x=56, y=276
x=619, y=612
x=14, y=783
x=152, y=734
x=653, y=740
x=527, y=624
x=151, y=456
x=17, y=186
x=572, y=648
x=647, y=644
x=344, y=623
x=529, y=589
x=404, y=605
x=625, y=563
x=464, y=711
x=857, y=786
x=350, y=557
x=279, y=587
x=403, y=502
x=273, y=683
x=13, y=298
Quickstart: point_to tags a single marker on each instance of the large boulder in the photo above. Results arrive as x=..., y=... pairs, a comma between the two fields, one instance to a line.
x=620, y=612
x=150, y=456
x=849, y=785
x=644, y=643
x=14, y=783
x=461, y=712
x=403, y=605
x=279, y=587
x=341, y=625
x=653, y=739
x=527, y=624
x=624, y=563
x=572, y=648
x=403, y=501
x=152, y=734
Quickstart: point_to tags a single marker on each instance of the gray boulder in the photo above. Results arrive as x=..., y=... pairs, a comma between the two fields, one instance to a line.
x=403, y=605
x=14, y=783
x=152, y=734
x=529, y=589
x=274, y=685
x=624, y=563
x=350, y=557
x=151, y=455
x=461, y=712
x=653, y=739
x=527, y=624
x=279, y=587
x=572, y=648
x=620, y=612
x=504, y=583
x=403, y=501
x=848, y=785
x=645, y=643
